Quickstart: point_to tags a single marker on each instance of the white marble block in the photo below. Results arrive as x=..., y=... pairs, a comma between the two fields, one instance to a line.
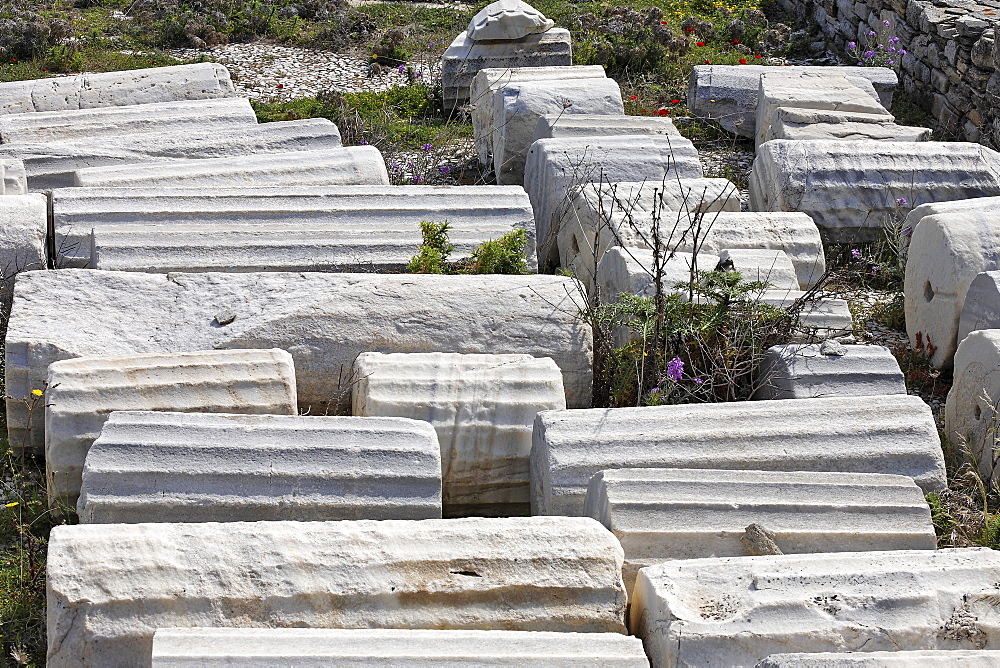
x=981, y=309
x=884, y=434
x=821, y=317
x=518, y=106
x=970, y=413
x=465, y=58
x=344, y=166
x=602, y=215
x=483, y=408
x=947, y=251
x=199, y=81
x=225, y=115
x=487, y=81
x=81, y=393
x=558, y=126
x=633, y=271
x=924, y=658
x=260, y=648
x=665, y=514
x=728, y=93
x=110, y=586
x=815, y=124
x=918, y=213
x=772, y=267
x=557, y=168
x=809, y=89
x=200, y=467
x=23, y=232
x=851, y=188
x=54, y=164
x=804, y=371
x=15, y=179
x=736, y=611
x=323, y=320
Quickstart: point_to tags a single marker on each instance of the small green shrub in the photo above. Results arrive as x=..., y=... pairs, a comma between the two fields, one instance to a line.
x=501, y=256
x=498, y=256
x=432, y=257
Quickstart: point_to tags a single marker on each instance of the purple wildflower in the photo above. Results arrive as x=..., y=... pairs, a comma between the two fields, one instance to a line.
x=902, y=52
x=362, y=142
x=855, y=253
x=427, y=147
x=852, y=45
x=444, y=169
x=871, y=33
x=890, y=62
x=907, y=231
x=417, y=179
x=675, y=368
x=893, y=40
x=901, y=201
x=869, y=54
x=401, y=69
x=699, y=381
x=655, y=389
x=885, y=23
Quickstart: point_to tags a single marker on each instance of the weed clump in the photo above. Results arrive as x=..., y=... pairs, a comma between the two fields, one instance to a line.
x=434, y=251
x=504, y=255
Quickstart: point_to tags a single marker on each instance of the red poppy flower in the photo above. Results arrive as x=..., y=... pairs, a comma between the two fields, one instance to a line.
x=743, y=61
x=688, y=29
x=757, y=56
x=700, y=44
x=281, y=85
x=642, y=111
x=736, y=41
x=708, y=62
x=663, y=112
x=633, y=97
x=674, y=101
x=663, y=23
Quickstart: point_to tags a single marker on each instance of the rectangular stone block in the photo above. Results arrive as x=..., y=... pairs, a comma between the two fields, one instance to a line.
x=199, y=81
x=918, y=213
x=851, y=188
x=926, y=658
x=518, y=106
x=323, y=320
x=81, y=393
x=483, y=408
x=812, y=124
x=885, y=434
x=23, y=232
x=772, y=267
x=52, y=164
x=556, y=168
x=177, y=648
x=465, y=58
x=665, y=514
x=110, y=586
x=728, y=93
x=198, y=467
x=688, y=612
x=821, y=317
x=15, y=181
x=266, y=229
x=225, y=115
x=809, y=89
x=487, y=81
x=557, y=126
x=633, y=270
x=346, y=166
x=797, y=371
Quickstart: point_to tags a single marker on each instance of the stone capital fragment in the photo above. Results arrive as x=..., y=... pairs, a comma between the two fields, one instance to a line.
x=507, y=20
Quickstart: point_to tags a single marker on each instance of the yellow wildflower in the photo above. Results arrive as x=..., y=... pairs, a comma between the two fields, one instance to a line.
x=12, y=504
x=37, y=393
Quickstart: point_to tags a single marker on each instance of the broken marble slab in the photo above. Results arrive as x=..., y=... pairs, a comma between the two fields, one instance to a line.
x=820, y=316
x=665, y=514
x=981, y=309
x=110, y=586
x=202, y=467
x=53, y=164
x=970, y=412
x=466, y=57
x=517, y=108
x=761, y=265
x=225, y=115
x=353, y=227
x=259, y=648
x=925, y=658
x=854, y=189
x=23, y=233
x=81, y=393
x=814, y=124
x=15, y=180
x=556, y=126
x=557, y=168
x=885, y=434
x=946, y=253
x=728, y=93
x=489, y=80
x=483, y=408
x=324, y=321
x=808, y=89
x=918, y=213
x=688, y=612
x=507, y=20
x=343, y=166
x=199, y=81
x=803, y=371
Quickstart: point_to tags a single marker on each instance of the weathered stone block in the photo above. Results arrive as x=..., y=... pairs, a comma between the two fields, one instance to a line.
x=52, y=164
x=970, y=414
x=225, y=115
x=850, y=188
x=913, y=218
x=23, y=232
x=15, y=180
x=558, y=126
x=110, y=586
x=772, y=267
x=688, y=612
x=884, y=434
x=345, y=166
x=483, y=408
x=981, y=309
x=198, y=467
x=81, y=393
x=488, y=81
x=947, y=251
x=518, y=106
x=179, y=648
x=926, y=658
x=557, y=168
x=334, y=228
x=811, y=124
x=111, y=89
x=821, y=317
x=323, y=320
x=797, y=371
x=728, y=93
x=465, y=58
x=665, y=514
